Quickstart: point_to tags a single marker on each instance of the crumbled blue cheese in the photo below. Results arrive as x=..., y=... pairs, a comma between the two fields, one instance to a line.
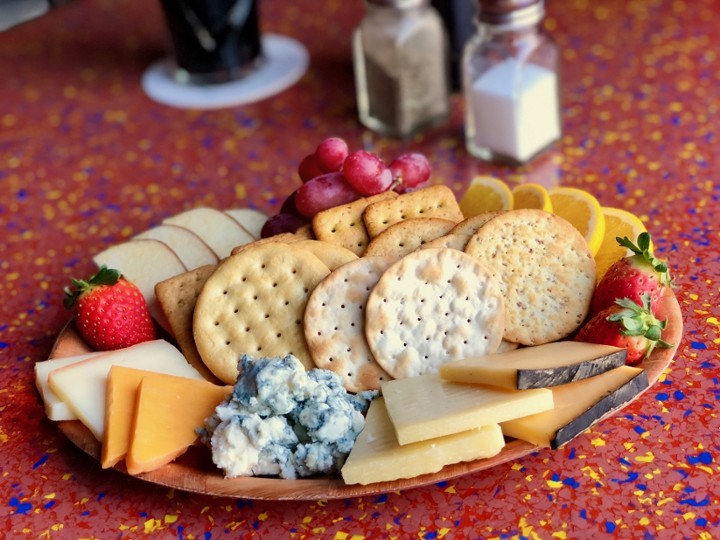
x=281, y=420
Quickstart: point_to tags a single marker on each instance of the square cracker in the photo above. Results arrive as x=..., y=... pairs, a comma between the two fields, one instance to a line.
x=177, y=296
x=435, y=201
x=406, y=236
x=344, y=224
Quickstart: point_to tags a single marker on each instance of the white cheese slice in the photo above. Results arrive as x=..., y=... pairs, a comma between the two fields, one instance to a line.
x=578, y=406
x=377, y=456
x=541, y=366
x=55, y=408
x=427, y=406
x=82, y=385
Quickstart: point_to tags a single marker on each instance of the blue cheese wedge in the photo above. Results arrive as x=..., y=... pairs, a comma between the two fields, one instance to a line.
x=377, y=456
x=541, y=366
x=427, y=406
x=578, y=406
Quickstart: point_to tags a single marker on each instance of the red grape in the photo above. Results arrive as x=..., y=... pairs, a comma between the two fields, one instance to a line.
x=282, y=223
x=308, y=168
x=411, y=171
x=366, y=172
x=330, y=154
x=322, y=193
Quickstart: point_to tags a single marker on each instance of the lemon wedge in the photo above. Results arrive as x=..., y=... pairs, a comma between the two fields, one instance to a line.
x=583, y=211
x=486, y=194
x=531, y=196
x=618, y=222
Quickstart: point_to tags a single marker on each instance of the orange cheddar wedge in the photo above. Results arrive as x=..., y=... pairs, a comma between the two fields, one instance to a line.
x=168, y=411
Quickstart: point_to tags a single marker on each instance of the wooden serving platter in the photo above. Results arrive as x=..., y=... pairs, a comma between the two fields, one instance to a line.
x=195, y=472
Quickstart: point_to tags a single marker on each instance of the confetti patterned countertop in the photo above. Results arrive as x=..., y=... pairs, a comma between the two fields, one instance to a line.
x=87, y=160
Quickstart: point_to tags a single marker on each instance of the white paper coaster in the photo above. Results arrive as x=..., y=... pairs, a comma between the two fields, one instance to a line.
x=286, y=60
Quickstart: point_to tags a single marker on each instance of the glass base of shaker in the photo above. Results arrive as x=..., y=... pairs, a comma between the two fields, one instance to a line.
x=284, y=62
x=492, y=156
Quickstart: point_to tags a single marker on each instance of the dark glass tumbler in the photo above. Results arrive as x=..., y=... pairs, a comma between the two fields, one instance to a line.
x=213, y=41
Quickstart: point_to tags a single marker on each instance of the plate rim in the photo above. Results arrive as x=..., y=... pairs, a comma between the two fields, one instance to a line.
x=182, y=475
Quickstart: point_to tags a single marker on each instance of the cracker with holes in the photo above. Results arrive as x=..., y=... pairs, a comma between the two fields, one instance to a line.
x=545, y=270
x=335, y=323
x=406, y=236
x=470, y=226
x=435, y=201
x=333, y=255
x=254, y=303
x=453, y=241
x=177, y=296
x=344, y=225
x=431, y=307
x=303, y=233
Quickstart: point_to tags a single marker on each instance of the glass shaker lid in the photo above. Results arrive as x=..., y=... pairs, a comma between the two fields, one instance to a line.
x=511, y=12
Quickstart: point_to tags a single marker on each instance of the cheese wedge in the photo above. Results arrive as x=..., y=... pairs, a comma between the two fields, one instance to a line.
x=542, y=366
x=427, y=406
x=82, y=386
x=578, y=406
x=377, y=456
x=168, y=412
x=55, y=408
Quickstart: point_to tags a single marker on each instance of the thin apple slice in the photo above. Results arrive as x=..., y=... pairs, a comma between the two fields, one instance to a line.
x=144, y=262
x=217, y=229
x=188, y=246
x=253, y=220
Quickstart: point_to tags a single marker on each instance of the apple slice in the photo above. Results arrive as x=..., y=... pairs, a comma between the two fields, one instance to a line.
x=145, y=262
x=217, y=229
x=252, y=220
x=188, y=246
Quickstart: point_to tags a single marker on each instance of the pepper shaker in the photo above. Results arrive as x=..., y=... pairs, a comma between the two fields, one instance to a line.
x=511, y=83
x=400, y=58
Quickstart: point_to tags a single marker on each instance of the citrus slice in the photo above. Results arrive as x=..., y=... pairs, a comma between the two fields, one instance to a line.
x=486, y=194
x=618, y=222
x=582, y=210
x=531, y=196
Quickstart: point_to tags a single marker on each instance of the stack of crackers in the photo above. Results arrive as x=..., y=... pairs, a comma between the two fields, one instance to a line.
x=389, y=286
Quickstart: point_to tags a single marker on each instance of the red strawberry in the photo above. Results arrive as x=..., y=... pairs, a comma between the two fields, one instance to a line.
x=629, y=325
x=632, y=276
x=111, y=311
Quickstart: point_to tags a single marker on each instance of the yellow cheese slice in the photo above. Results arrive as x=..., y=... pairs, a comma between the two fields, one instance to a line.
x=427, y=406
x=377, y=456
x=578, y=406
x=82, y=386
x=55, y=408
x=542, y=366
x=168, y=411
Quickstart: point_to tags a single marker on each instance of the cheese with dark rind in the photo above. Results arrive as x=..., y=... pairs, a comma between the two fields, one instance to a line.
x=427, y=406
x=377, y=456
x=578, y=406
x=541, y=366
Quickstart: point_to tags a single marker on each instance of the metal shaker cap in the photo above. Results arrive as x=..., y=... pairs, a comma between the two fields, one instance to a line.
x=511, y=12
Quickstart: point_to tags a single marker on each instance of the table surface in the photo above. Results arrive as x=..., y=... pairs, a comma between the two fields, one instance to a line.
x=87, y=160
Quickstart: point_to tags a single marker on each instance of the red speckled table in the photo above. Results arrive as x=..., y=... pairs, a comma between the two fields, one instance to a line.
x=87, y=160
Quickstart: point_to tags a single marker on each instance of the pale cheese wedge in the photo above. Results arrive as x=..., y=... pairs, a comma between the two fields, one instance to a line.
x=427, y=406
x=82, y=386
x=55, y=408
x=541, y=366
x=578, y=406
x=377, y=456
x=168, y=412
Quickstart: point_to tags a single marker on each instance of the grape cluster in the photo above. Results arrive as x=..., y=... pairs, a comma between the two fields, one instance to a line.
x=332, y=175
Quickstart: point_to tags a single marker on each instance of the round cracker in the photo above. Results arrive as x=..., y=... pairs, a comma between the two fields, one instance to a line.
x=433, y=306
x=333, y=255
x=335, y=323
x=254, y=303
x=545, y=269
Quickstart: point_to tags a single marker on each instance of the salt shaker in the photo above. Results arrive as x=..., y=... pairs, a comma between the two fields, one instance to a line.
x=400, y=58
x=511, y=83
